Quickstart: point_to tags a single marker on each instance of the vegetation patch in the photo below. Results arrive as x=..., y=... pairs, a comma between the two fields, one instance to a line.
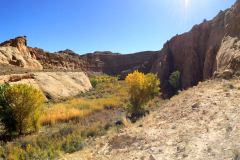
x=68, y=122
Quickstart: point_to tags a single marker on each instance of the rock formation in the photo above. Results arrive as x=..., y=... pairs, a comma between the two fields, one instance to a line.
x=115, y=64
x=15, y=52
x=53, y=84
x=144, y=67
x=106, y=62
x=208, y=47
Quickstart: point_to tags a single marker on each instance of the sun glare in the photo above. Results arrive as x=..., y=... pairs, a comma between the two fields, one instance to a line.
x=186, y=4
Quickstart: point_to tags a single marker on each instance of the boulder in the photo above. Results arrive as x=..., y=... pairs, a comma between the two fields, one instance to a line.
x=227, y=72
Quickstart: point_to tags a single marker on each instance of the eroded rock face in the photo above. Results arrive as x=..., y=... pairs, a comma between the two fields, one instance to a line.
x=53, y=84
x=144, y=67
x=15, y=52
x=106, y=62
x=207, y=48
x=115, y=64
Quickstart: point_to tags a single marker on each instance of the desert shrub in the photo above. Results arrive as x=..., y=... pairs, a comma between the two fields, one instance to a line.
x=226, y=89
x=174, y=79
x=111, y=85
x=45, y=145
x=142, y=88
x=112, y=79
x=6, y=111
x=238, y=73
x=93, y=82
x=26, y=103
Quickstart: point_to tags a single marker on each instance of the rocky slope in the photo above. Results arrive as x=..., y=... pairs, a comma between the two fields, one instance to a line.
x=199, y=123
x=53, y=84
x=15, y=52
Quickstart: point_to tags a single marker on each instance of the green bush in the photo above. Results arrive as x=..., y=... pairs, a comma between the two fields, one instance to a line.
x=93, y=82
x=6, y=112
x=174, y=79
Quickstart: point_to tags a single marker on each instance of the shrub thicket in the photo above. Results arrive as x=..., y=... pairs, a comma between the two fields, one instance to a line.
x=142, y=88
x=174, y=79
x=26, y=104
x=6, y=111
x=93, y=82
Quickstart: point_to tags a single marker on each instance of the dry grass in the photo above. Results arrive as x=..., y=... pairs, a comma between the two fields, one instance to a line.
x=127, y=122
x=226, y=89
x=79, y=108
x=218, y=87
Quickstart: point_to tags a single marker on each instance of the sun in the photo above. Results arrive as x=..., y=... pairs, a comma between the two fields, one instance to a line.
x=186, y=3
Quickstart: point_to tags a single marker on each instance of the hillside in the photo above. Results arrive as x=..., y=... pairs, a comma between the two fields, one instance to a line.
x=199, y=123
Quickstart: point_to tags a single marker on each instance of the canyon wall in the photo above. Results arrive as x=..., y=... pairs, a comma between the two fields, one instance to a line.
x=197, y=54
x=106, y=62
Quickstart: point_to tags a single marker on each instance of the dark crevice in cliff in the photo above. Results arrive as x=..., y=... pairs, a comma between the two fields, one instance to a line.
x=166, y=88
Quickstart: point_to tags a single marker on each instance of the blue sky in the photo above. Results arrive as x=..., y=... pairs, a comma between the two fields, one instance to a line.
x=85, y=26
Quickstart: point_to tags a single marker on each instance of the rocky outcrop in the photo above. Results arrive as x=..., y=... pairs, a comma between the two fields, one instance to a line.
x=53, y=84
x=115, y=64
x=15, y=52
x=59, y=60
x=106, y=62
x=207, y=48
x=144, y=67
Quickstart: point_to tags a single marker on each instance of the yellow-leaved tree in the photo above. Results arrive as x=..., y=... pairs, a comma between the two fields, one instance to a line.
x=142, y=88
x=26, y=103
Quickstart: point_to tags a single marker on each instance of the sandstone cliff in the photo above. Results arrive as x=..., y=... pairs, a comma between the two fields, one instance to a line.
x=197, y=54
x=208, y=47
x=53, y=84
x=106, y=62
x=15, y=52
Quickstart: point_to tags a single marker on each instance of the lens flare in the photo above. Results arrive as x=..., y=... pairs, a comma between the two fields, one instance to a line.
x=186, y=4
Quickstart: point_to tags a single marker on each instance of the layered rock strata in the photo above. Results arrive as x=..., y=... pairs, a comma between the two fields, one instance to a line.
x=106, y=62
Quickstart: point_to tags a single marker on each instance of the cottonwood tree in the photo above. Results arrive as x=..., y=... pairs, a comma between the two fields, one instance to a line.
x=142, y=88
x=26, y=103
